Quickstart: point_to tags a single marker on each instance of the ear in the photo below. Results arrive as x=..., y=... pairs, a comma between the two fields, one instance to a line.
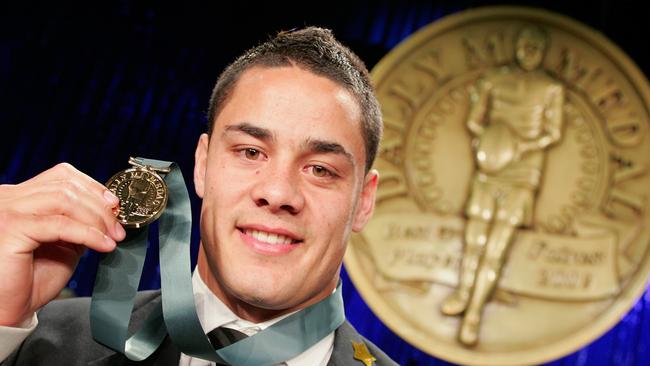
x=366, y=201
x=200, y=164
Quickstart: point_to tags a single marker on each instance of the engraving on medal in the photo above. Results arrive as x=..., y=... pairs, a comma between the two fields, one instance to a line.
x=511, y=222
x=142, y=193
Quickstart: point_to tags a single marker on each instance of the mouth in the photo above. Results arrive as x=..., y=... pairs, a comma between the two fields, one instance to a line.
x=269, y=237
x=269, y=241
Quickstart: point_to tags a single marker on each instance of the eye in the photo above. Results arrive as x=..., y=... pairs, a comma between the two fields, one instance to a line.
x=251, y=154
x=321, y=172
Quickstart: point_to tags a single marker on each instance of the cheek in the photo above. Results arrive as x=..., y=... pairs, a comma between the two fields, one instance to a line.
x=221, y=182
x=334, y=216
x=219, y=194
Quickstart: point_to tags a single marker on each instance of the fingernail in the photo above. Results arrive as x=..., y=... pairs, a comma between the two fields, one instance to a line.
x=119, y=231
x=111, y=198
x=109, y=243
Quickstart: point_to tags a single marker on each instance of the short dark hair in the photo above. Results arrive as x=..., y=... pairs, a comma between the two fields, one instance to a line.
x=316, y=50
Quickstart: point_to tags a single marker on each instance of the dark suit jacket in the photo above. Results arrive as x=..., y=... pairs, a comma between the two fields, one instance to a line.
x=63, y=338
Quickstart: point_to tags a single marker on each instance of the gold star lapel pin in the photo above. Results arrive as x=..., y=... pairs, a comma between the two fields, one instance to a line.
x=362, y=354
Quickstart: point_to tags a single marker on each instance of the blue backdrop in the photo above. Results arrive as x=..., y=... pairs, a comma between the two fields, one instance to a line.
x=91, y=84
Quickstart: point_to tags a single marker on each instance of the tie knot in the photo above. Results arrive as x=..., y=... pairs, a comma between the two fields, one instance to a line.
x=222, y=337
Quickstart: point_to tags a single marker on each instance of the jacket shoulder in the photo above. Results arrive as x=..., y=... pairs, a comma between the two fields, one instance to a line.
x=343, y=353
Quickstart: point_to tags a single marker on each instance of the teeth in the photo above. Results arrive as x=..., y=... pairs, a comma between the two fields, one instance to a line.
x=262, y=236
x=269, y=238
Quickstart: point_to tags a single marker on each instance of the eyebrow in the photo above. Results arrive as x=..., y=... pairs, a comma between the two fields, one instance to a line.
x=328, y=147
x=249, y=129
x=313, y=145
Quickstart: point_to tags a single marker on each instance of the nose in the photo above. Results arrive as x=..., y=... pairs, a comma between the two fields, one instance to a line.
x=278, y=190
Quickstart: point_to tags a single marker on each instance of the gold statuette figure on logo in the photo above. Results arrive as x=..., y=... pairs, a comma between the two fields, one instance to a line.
x=516, y=113
x=511, y=224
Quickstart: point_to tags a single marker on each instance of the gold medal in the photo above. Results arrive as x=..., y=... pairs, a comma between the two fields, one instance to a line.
x=511, y=224
x=142, y=193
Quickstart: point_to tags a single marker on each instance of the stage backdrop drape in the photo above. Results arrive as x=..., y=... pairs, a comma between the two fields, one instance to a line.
x=91, y=83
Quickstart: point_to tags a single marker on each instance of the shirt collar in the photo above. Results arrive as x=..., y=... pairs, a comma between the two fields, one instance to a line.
x=213, y=313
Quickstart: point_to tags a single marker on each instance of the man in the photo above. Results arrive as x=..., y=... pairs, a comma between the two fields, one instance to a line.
x=284, y=174
x=516, y=114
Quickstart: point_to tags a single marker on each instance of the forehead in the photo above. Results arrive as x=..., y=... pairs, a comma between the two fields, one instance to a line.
x=295, y=104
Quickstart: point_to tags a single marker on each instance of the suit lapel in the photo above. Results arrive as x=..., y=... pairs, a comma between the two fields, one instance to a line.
x=342, y=354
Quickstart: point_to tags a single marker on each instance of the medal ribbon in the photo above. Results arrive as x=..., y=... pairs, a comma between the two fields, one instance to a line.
x=117, y=281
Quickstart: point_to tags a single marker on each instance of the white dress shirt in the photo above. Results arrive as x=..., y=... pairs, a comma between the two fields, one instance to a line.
x=12, y=337
x=212, y=313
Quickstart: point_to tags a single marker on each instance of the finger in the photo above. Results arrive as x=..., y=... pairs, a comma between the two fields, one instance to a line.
x=65, y=171
x=69, y=190
x=96, y=205
x=57, y=228
x=71, y=198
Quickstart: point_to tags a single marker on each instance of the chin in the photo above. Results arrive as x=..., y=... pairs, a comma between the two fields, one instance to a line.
x=261, y=301
x=261, y=292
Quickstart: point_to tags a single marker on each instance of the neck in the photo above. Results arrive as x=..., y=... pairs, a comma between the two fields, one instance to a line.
x=242, y=309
